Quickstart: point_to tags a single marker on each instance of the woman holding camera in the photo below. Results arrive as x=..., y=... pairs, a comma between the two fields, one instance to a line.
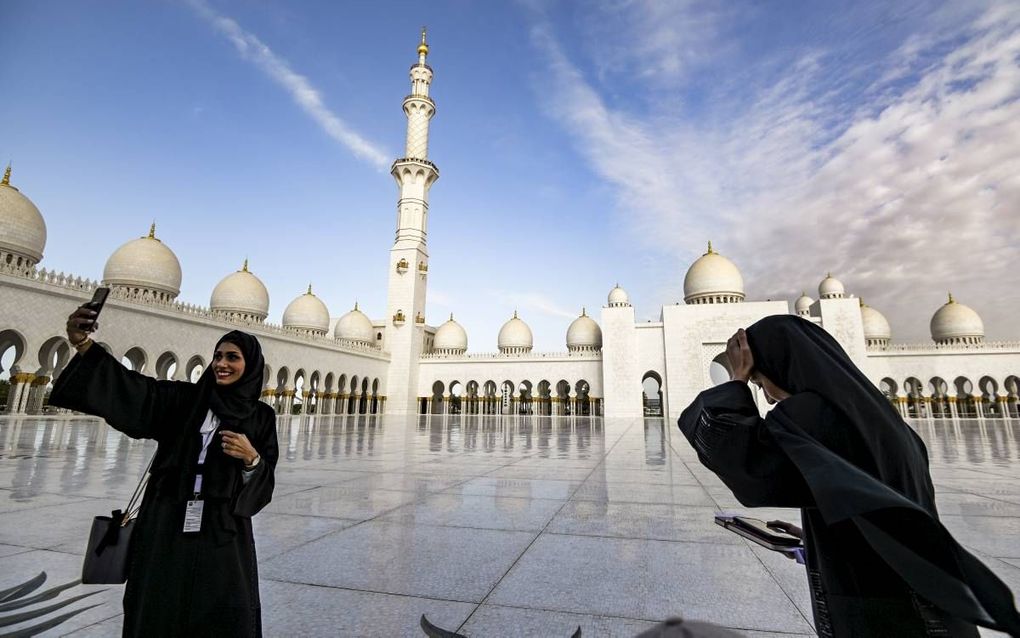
x=192, y=568
x=879, y=561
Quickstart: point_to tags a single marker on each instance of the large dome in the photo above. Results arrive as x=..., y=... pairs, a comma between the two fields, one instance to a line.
x=145, y=264
x=451, y=338
x=515, y=336
x=355, y=326
x=803, y=305
x=584, y=334
x=307, y=312
x=618, y=297
x=876, y=328
x=241, y=294
x=831, y=288
x=22, y=228
x=955, y=323
x=713, y=278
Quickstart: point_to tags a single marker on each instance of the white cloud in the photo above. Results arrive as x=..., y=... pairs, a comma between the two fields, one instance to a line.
x=298, y=86
x=905, y=185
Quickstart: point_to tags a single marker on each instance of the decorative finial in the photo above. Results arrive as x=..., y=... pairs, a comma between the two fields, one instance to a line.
x=515, y=313
x=710, y=251
x=828, y=275
x=7, y=175
x=152, y=230
x=244, y=268
x=309, y=289
x=951, y=300
x=584, y=311
x=355, y=304
x=423, y=48
x=451, y=316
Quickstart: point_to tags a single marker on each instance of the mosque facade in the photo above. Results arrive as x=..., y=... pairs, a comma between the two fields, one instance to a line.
x=398, y=364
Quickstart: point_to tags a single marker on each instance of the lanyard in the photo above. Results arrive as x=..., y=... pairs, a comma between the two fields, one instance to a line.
x=208, y=431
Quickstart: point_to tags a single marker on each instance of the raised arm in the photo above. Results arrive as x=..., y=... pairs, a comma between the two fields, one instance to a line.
x=723, y=427
x=95, y=383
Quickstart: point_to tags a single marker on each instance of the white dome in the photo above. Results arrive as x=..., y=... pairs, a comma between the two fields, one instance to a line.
x=956, y=323
x=618, y=297
x=803, y=304
x=22, y=228
x=241, y=293
x=450, y=337
x=144, y=263
x=831, y=288
x=876, y=327
x=355, y=326
x=307, y=312
x=584, y=334
x=713, y=278
x=515, y=336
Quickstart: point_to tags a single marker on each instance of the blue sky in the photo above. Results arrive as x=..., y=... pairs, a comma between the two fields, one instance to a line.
x=579, y=144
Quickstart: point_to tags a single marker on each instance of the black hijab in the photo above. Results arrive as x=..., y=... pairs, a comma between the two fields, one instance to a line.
x=235, y=404
x=893, y=504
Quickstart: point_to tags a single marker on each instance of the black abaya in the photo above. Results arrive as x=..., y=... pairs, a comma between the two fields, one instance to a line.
x=184, y=584
x=879, y=561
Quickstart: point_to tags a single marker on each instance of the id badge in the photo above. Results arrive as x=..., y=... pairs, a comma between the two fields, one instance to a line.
x=193, y=516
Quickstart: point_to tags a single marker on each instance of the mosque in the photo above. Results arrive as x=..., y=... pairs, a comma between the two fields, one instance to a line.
x=398, y=364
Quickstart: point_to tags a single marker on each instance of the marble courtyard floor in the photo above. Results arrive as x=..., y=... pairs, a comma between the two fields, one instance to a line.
x=492, y=526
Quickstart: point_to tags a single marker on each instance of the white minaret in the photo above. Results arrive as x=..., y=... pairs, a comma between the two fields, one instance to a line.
x=409, y=259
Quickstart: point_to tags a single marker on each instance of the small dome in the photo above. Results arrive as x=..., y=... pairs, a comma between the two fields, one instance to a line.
x=618, y=297
x=241, y=293
x=713, y=278
x=876, y=327
x=831, y=288
x=584, y=334
x=355, y=326
x=803, y=305
x=307, y=312
x=956, y=323
x=22, y=228
x=515, y=336
x=145, y=263
x=450, y=338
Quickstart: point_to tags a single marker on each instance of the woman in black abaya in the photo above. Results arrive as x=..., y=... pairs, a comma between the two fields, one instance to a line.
x=216, y=440
x=879, y=561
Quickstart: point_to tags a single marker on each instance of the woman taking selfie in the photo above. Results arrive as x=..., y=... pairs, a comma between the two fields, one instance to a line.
x=192, y=568
x=879, y=561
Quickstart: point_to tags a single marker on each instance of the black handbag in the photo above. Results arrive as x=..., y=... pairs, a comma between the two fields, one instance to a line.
x=107, y=554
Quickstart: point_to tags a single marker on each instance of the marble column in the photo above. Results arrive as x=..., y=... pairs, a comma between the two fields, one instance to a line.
x=36, y=394
x=17, y=396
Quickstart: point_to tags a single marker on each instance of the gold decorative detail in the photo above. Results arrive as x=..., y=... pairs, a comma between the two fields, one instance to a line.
x=710, y=251
x=451, y=316
x=515, y=313
x=402, y=266
x=399, y=317
x=423, y=48
x=152, y=231
x=418, y=318
x=584, y=311
x=951, y=300
x=355, y=305
x=423, y=267
x=244, y=267
x=7, y=176
x=309, y=289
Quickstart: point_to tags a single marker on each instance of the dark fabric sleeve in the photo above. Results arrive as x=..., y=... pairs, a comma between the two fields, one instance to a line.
x=96, y=383
x=258, y=491
x=724, y=428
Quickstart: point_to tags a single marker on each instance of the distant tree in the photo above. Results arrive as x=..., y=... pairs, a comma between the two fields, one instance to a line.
x=5, y=390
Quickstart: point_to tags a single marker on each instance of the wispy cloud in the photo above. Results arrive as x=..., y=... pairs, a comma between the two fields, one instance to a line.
x=251, y=48
x=902, y=178
x=539, y=303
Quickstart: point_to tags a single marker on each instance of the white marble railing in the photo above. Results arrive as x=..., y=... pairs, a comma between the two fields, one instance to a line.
x=593, y=356
x=948, y=347
x=79, y=284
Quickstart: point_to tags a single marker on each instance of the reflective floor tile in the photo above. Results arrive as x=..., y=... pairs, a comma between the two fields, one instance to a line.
x=481, y=511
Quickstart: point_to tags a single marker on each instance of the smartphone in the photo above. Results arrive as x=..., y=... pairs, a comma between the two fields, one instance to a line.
x=760, y=532
x=97, y=303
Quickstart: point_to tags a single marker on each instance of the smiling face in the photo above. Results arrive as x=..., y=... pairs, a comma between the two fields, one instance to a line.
x=228, y=363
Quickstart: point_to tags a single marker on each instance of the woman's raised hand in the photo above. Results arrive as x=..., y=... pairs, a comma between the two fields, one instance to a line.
x=238, y=446
x=740, y=357
x=80, y=323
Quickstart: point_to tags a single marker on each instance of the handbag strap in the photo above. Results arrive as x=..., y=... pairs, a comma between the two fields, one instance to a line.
x=135, y=503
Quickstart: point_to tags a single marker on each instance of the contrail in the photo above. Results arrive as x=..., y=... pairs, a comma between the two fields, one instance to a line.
x=306, y=95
